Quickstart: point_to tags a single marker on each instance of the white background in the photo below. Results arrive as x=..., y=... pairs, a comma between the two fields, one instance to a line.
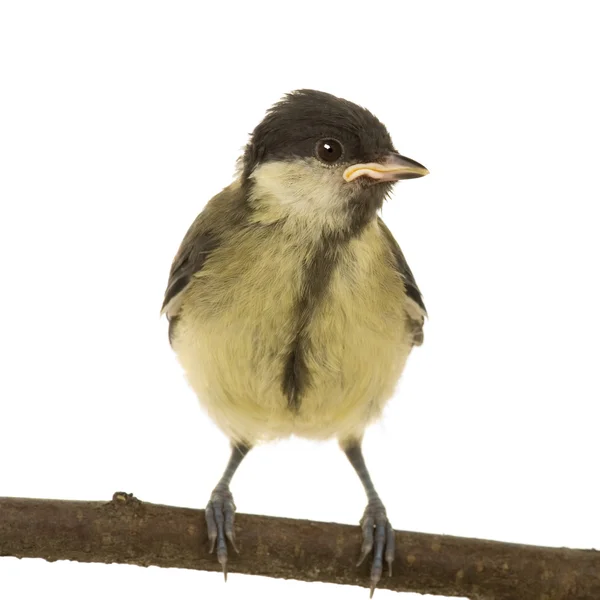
x=119, y=120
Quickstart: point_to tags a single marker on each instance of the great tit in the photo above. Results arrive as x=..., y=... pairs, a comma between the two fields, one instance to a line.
x=291, y=307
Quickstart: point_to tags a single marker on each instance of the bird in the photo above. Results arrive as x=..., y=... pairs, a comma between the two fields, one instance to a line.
x=291, y=307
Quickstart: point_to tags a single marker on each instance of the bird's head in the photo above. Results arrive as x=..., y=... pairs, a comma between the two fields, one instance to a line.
x=324, y=159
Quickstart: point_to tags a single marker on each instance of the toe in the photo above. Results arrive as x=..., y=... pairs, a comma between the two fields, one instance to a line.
x=367, y=524
x=379, y=547
x=230, y=523
x=378, y=538
x=220, y=521
x=211, y=526
x=390, y=547
x=221, y=544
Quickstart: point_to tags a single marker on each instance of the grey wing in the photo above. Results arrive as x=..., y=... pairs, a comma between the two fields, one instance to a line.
x=415, y=307
x=223, y=212
x=196, y=247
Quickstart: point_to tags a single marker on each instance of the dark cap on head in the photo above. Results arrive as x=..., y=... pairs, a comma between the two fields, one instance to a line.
x=293, y=125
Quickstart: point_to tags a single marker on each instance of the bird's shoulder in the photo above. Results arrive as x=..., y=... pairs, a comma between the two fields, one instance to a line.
x=414, y=304
x=222, y=213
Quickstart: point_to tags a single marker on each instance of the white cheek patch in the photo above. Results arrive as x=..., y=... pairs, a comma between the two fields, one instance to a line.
x=300, y=189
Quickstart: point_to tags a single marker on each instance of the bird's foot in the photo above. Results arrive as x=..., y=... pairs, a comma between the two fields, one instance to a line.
x=379, y=538
x=220, y=512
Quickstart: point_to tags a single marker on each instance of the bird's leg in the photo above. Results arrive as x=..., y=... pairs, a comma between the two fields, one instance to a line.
x=220, y=510
x=378, y=534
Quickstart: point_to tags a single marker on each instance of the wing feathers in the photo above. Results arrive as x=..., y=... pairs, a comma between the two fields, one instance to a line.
x=415, y=307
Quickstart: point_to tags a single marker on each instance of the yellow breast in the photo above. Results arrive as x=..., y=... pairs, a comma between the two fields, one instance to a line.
x=238, y=320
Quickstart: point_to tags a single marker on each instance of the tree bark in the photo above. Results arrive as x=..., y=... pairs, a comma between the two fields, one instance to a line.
x=126, y=530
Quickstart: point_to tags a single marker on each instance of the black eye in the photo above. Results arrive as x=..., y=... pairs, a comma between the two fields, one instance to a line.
x=329, y=150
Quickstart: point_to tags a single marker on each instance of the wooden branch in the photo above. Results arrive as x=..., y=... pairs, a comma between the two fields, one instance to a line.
x=128, y=531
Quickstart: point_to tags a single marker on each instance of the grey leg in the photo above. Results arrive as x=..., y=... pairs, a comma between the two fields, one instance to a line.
x=220, y=510
x=378, y=533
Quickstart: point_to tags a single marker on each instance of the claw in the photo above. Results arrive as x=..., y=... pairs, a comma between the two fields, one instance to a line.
x=379, y=538
x=220, y=517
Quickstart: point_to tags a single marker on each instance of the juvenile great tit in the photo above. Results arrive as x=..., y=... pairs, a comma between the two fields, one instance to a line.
x=291, y=307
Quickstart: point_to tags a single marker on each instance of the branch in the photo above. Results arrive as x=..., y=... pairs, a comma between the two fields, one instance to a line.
x=128, y=531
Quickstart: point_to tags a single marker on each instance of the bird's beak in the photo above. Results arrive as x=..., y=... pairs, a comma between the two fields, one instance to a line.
x=392, y=168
